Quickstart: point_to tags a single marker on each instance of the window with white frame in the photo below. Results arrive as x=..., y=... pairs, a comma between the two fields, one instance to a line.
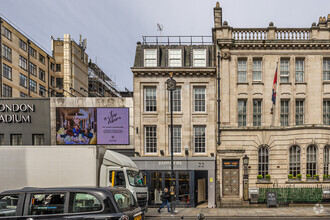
x=326, y=69
x=257, y=112
x=199, y=56
x=6, y=52
x=284, y=113
x=7, y=71
x=199, y=139
x=300, y=70
x=174, y=58
x=22, y=45
x=150, y=139
x=176, y=138
x=299, y=112
x=263, y=161
x=257, y=70
x=33, y=86
x=284, y=70
x=22, y=63
x=176, y=100
x=33, y=69
x=16, y=139
x=241, y=74
x=326, y=160
x=326, y=112
x=22, y=80
x=241, y=112
x=6, y=33
x=311, y=165
x=294, y=160
x=150, y=100
x=199, y=98
x=150, y=57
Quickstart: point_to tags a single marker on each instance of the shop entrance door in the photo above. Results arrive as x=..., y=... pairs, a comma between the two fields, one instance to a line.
x=230, y=178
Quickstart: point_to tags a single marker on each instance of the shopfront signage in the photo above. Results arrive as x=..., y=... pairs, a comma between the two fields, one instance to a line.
x=227, y=164
x=15, y=113
x=167, y=163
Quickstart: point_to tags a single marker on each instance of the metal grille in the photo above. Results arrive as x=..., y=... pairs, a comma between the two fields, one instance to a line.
x=142, y=199
x=150, y=139
x=241, y=112
x=199, y=139
x=311, y=166
x=263, y=161
x=150, y=101
x=284, y=113
x=326, y=112
x=294, y=160
x=241, y=75
x=257, y=113
x=199, y=99
x=326, y=159
x=299, y=112
x=300, y=70
x=284, y=71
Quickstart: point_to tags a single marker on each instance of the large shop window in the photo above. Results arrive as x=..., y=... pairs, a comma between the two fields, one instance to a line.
x=311, y=166
x=263, y=161
x=326, y=159
x=294, y=160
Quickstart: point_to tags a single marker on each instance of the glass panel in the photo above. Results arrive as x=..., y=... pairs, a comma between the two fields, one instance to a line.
x=125, y=201
x=155, y=189
x=184, y=187
x=84, y=202
x=8, y=205
x=47, y=203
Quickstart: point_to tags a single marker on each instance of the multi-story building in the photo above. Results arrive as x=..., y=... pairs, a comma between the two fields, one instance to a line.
x=223, y=111
x=26, y=69
x=286, y=143
x=194, y=107
x=71, y=66
x=99, y=84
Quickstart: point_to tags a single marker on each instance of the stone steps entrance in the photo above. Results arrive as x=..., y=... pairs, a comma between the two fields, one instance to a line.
x=231, y=202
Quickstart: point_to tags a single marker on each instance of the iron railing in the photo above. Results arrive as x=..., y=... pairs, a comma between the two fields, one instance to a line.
x=177, y=40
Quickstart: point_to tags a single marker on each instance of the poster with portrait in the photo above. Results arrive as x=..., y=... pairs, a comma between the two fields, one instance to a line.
x=113, y=126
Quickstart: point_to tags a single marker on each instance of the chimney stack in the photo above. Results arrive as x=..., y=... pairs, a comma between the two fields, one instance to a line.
x=217, y=16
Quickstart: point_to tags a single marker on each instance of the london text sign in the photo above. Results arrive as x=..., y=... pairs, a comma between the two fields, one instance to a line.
x=16, y=113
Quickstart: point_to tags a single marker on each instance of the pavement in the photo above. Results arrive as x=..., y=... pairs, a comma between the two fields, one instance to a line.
x=310, y=212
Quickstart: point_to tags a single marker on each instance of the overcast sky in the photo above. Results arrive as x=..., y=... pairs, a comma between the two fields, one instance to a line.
x=112, y=27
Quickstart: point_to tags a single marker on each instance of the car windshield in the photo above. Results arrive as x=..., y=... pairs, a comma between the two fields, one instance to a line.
x=136, y=178
x=125, y=201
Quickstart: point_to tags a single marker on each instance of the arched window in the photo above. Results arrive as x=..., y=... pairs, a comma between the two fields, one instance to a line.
x=311, y=166
x=294, y=160
x=263, y=161
x=326, y=160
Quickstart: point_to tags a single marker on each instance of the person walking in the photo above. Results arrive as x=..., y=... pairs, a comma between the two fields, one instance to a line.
x=165, y=200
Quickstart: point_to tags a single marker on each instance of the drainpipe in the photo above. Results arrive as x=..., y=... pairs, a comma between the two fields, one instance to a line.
x=48, y=73
x=218, y=100
x=0, y=57
x=28, y=69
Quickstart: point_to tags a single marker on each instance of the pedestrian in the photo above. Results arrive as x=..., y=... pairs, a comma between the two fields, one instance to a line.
x=165, y=200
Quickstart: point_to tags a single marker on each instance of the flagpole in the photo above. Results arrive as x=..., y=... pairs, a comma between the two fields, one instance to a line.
x=273, y=109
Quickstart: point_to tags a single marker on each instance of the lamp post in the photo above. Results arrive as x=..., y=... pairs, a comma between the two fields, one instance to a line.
x=246, y=178
x=171, y=86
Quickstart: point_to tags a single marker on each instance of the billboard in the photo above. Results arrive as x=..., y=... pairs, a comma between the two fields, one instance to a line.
x=91, y=126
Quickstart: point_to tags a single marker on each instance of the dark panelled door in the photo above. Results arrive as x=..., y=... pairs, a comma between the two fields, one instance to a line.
x=230, y=180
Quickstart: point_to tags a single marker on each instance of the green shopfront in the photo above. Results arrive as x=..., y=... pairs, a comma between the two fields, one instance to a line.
x=194, y=179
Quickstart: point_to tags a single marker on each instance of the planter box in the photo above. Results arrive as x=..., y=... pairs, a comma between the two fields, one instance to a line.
x=312, y=180
x=263, y=181
x=294, y=180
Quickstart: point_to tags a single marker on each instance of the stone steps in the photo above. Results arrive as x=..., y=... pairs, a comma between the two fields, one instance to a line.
x=231, y=202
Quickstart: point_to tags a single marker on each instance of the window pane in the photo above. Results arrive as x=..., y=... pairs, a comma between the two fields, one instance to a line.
x=326, y=112
x=257, y=70
x=199, y=139
x=199, y=57
x=241, y=75
x=263, y=161
x=294, y=160
x=150, y=57
x=150, y=139
x=311, y=166
x=326, y=69
x=174, y=57
x=284, y=71
x=199, y=99
x=241, y=112
x=284, y=113
x=176, y=138
x=8, y=205
x=47, y=203
x=150, y=99
x=84, y=202
x=257, y=113
x=299, y=112
x=299, y=70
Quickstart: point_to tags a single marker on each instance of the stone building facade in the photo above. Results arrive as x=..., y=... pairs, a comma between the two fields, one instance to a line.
x=290, y=137
x=194, y=105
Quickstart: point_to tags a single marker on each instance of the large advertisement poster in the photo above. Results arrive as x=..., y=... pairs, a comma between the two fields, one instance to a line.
x=112, y=126
x=92, y=126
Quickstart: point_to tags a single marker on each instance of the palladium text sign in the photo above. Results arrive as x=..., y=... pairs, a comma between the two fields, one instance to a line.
x=16, y=113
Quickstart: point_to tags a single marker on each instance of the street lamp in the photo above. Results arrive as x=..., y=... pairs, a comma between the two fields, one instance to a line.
x=246, y=178
x=171, y=86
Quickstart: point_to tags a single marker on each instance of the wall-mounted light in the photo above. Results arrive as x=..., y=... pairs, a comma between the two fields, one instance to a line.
x=186, y=151
x=212, y=154
x=137, y=154
x=162, y=152
x=137, y=130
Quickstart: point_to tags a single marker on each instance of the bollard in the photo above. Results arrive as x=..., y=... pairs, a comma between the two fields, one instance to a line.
x=200, y=216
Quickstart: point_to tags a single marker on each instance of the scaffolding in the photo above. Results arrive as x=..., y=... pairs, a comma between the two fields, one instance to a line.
x=99, y=84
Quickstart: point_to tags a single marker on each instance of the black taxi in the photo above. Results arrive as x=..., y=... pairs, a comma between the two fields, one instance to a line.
x=69, y=203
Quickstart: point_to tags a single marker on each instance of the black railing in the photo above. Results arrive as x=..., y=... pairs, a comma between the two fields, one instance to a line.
x=177, y=40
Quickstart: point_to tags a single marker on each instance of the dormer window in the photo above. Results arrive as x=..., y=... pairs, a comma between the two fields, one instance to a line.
x=174, y=58
x=150, y=57
x=199, y=56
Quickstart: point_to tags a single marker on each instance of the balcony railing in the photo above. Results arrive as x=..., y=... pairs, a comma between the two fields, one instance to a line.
x=177, y=40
